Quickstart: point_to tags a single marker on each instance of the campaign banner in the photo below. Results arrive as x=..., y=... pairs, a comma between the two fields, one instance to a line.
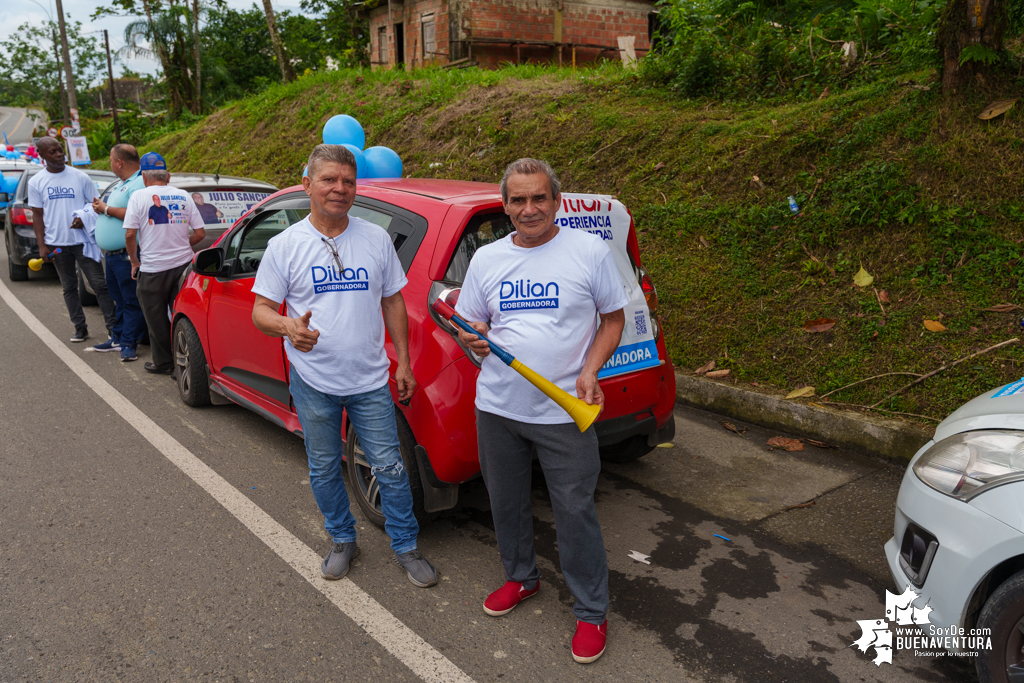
x=225, y=206
x=608, y=218
x=78, y=150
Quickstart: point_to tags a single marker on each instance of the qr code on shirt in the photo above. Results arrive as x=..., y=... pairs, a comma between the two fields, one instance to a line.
x=641, y=323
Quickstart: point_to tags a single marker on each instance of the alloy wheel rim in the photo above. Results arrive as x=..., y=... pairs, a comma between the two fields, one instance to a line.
x=181, y=357
x=369, y=487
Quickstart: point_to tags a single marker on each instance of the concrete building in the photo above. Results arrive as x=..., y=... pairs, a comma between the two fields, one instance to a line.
x=492, y=32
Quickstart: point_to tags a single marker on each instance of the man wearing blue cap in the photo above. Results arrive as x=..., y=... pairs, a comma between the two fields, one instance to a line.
x=130, y=325
x=157, y=222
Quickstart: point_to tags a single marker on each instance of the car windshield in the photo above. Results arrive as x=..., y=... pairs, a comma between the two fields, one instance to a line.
x=225, y=206
x=482, y=230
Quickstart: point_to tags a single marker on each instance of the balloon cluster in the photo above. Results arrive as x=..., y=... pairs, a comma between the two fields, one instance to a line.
x=375, y=162
x=9, y=152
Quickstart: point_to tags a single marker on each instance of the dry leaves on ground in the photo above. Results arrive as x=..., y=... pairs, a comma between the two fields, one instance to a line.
x=819, y=325
x=883, y=296
x=820, y=444
x=808, y=504
x=718, y=374
x=996, y=108
x=785, y=443
x=704, y=369
x=732, y=428
x=1003, y=308
x=934, y=326
x=801, y=392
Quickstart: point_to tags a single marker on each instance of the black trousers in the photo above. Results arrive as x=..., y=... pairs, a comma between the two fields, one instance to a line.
x=156, y=292
x=65, y=262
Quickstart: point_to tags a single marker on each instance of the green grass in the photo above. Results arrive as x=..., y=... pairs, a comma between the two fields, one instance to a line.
x=899, y=180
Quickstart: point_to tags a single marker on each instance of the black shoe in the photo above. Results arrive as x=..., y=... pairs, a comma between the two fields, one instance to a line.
x=81, y=334
x=150, y=367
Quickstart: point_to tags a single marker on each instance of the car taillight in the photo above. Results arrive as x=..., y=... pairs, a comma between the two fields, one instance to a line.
x=650, y=293
x=448, y=292
x=20, y=216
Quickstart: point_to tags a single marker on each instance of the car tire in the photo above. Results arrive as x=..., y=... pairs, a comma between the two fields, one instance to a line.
x=633, y=448
x=1003, y=613
x=362, y=484
x=87, y=297
x=190, y=370
x=17, y=273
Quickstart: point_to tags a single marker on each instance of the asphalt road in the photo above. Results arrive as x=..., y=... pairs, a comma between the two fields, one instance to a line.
x=15, y=122
x=116, y=565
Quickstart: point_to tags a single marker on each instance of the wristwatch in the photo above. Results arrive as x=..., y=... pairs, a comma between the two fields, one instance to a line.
x=105, y=208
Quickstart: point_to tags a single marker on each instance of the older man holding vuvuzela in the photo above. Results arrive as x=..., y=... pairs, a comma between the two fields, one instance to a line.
x=342, y=280
x=552, y=298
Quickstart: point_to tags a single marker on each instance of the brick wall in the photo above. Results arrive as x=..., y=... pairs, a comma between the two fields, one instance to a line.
x=589, y=23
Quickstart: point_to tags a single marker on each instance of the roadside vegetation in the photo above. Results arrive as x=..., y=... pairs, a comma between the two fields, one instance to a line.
x=890, y=176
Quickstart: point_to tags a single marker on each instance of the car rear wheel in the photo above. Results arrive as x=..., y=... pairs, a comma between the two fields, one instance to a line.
x=633, y=448
x=87, y=297
x=17, y=273
x=190, y=369
x=1004, y=615
x=362, y=483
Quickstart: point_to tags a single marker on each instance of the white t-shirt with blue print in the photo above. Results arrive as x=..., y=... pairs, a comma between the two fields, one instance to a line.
x=542, y=304
x=297, y=267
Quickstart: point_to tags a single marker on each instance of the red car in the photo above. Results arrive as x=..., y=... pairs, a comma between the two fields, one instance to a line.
x=436, y=227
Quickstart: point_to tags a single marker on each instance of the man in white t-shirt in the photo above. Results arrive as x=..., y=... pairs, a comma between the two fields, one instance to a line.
x=342, y=280
x=54, y=194
x=552, y=298
x=161, y=223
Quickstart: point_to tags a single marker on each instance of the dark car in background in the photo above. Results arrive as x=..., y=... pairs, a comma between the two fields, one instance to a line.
x=10, y=174
x=19, y=236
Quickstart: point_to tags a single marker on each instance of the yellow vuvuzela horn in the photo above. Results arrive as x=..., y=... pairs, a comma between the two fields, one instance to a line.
x=37, y=263
x=581, y=412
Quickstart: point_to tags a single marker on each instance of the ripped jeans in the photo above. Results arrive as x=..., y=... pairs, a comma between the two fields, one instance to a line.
x=373, y=415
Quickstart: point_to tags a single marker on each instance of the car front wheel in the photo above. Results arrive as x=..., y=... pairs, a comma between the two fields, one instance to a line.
x=1003, y=614
x=363, y=482
x=190, y=369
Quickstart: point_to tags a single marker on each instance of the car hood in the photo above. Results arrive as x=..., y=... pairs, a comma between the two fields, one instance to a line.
x=999, y=408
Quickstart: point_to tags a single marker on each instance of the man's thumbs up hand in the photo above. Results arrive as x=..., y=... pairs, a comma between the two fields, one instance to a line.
x=299, y=334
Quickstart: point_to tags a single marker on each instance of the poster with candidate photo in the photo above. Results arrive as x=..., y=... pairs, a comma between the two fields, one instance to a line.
x=78, y=151
x=224, y=207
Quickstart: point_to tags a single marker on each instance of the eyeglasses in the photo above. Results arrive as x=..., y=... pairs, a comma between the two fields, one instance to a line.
x=329, y=243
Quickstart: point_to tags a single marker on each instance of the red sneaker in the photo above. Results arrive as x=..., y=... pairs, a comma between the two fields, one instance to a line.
x=589, y=642
x=505, y=599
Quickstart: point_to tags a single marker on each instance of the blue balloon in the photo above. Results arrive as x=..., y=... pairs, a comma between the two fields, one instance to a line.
x=305, y=171
x=383, y=162
x=344, y=130
x=360, y=160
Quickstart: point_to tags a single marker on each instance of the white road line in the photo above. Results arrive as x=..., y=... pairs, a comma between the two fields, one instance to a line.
x=355, y=603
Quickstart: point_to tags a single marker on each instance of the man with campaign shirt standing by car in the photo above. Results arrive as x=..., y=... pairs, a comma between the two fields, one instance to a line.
x=552, y=298
x=130, y=323
x=54, y=194
x=157, y=235
x=342, y=280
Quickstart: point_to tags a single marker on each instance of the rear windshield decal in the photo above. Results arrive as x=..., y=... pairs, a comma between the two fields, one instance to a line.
x=1011, y=389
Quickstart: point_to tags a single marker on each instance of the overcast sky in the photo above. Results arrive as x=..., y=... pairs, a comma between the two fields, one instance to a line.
x=17, y=12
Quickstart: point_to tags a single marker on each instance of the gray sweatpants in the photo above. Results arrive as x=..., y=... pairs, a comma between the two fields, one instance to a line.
x=571, y=466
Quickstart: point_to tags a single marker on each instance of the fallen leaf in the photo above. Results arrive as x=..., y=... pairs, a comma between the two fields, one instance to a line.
x=933, y=326
x=660, y=165
x=863, y=278
x=1004, y=308
x=996, y=108
x=801, y=392
x=820, y=444
x=884, y=296
x=973, y=330
x=704, y=241
x=756, y=183
x=718, y=374
x=824, y=93
x=705, y=369
x=732, y=428
x=666, y=445
x=639, y=556
x=808, y=504
x=785, y=443
x=875, y=334
x=819, y=325
x=755, y=383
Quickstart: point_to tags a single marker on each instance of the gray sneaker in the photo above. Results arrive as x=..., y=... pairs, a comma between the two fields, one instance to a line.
x=419, y=571
x=336, y=565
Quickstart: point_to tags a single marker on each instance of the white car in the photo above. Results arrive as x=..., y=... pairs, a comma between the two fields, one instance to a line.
x=959, y=533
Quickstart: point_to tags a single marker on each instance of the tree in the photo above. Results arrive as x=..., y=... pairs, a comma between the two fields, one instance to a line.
x=29, y=68
x=168, y=33
x=287, y=72
x=345, y=30
x=970, y=39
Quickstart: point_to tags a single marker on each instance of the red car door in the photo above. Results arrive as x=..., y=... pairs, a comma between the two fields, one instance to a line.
x=240, y=354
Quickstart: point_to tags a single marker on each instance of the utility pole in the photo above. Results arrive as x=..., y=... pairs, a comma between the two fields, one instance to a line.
x=60, y=79
x=72, y=97
x=113, y=93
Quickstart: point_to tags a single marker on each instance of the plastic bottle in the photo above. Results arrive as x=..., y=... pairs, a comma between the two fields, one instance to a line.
x=793, y=208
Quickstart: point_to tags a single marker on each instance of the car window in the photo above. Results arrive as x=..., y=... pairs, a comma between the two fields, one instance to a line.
x=376, y=217
x=224, y=207
x=12, y=174
x=252, y=242
x=482, y=230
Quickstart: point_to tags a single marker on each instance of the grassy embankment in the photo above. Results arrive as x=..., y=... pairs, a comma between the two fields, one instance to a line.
x=889, y=176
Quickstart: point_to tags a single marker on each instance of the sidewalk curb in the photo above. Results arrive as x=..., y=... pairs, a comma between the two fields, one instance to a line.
x=884, y=437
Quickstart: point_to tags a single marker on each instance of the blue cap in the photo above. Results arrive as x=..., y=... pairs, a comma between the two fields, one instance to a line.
x=151, y=161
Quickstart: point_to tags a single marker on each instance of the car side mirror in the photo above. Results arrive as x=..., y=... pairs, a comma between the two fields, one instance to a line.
x=209, y=261
x=4, y=197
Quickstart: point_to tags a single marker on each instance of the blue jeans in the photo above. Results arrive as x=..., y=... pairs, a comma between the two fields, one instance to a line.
x=130, y=324
x=373, y=415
